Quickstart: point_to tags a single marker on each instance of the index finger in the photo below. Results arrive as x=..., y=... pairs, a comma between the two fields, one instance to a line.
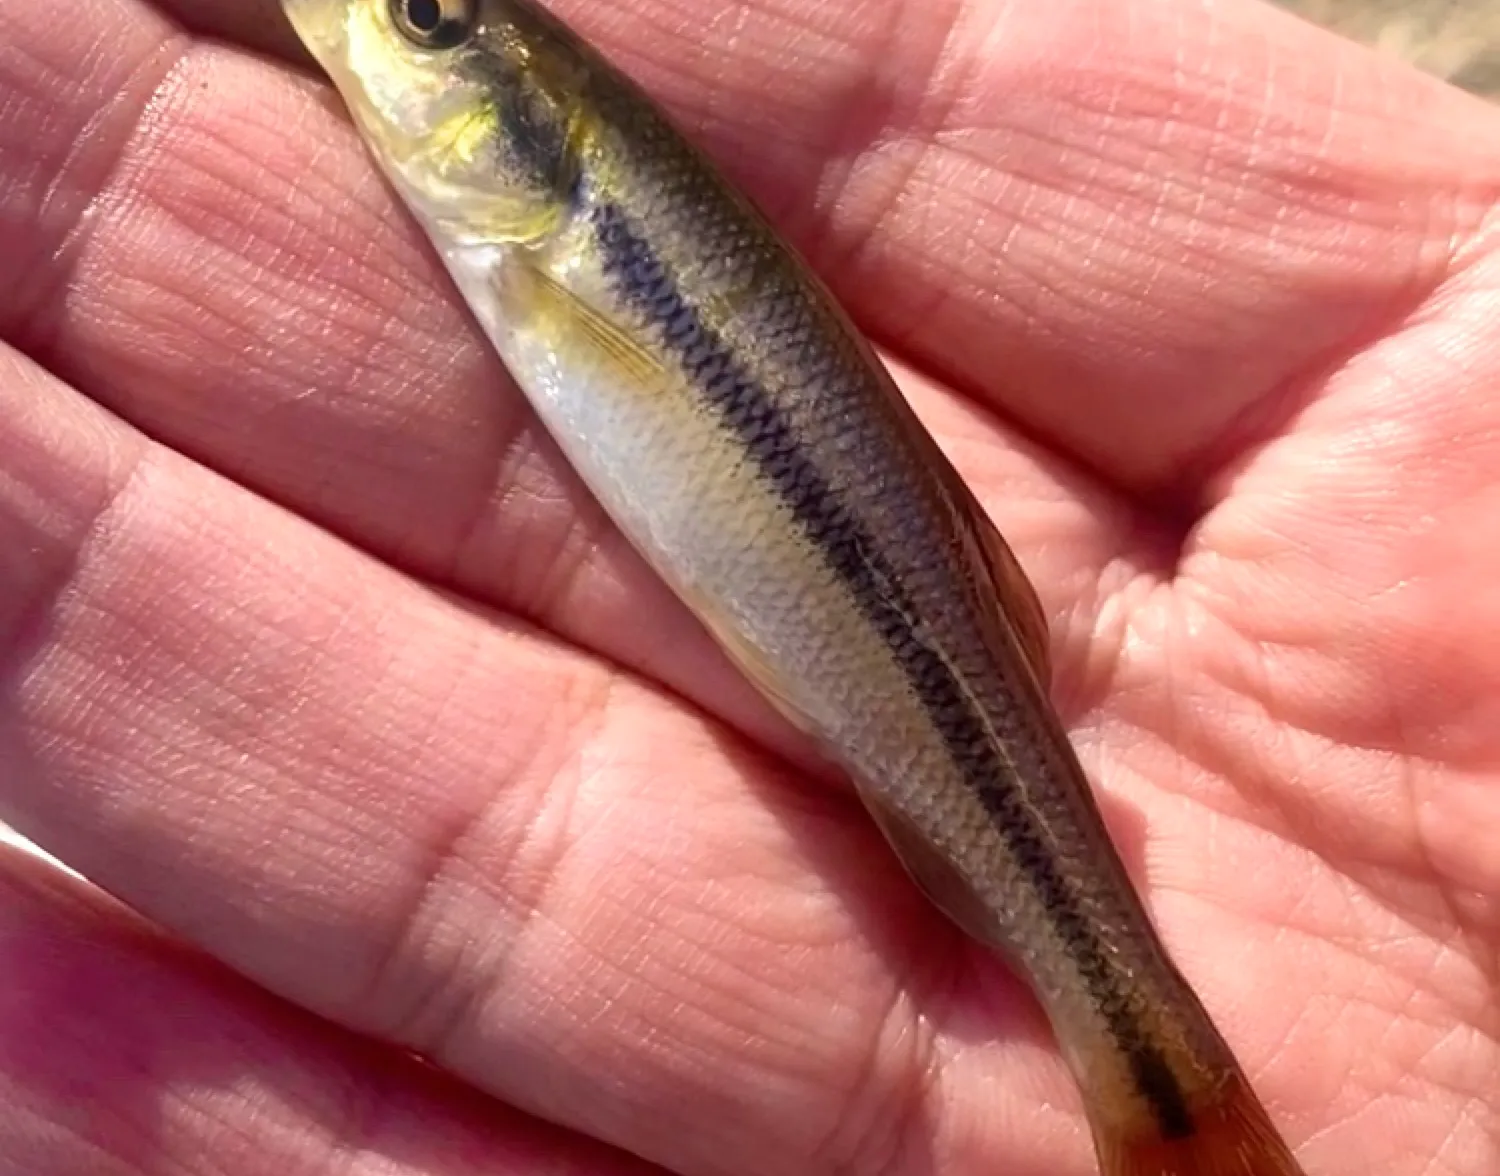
x=1137, y=228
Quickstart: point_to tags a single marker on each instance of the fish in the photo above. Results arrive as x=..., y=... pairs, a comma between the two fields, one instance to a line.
x=748, y=441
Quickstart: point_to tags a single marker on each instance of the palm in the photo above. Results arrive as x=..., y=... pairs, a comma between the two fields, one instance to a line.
x=578, y=864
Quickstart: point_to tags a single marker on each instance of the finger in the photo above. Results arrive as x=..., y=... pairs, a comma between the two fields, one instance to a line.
x=308, y=347
x=1136, y=228
x=455, y=836
x=260, y=24
x=122, y=1054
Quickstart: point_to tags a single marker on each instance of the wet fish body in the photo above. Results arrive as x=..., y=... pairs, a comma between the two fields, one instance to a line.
x=746, y=439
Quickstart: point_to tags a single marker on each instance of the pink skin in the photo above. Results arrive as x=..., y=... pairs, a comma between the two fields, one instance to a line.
x=313, y=652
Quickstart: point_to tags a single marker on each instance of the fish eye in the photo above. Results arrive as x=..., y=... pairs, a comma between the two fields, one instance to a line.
x=436, y=24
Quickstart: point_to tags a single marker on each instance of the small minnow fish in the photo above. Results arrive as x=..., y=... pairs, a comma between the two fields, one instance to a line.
x=749, y=443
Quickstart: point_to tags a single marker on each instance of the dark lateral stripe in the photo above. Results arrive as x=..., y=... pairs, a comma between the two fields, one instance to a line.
x=771, y=440
x=531, y=146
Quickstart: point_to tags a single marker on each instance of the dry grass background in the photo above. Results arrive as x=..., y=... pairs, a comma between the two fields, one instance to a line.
x=1458, y=40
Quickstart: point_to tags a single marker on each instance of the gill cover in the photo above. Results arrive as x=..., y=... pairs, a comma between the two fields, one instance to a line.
x=480, y=129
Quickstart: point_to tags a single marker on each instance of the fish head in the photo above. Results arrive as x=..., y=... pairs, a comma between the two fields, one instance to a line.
x=464, y=104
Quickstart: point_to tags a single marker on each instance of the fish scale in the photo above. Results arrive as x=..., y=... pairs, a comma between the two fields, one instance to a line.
x=745, y=438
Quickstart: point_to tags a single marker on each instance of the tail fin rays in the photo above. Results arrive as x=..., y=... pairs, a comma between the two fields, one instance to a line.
x=1233, y=1136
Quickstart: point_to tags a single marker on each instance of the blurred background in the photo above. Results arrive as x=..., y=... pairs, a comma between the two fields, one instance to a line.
x=1458, y=40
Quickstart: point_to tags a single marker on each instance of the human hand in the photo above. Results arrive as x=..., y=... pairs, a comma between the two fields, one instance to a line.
x=317, y=655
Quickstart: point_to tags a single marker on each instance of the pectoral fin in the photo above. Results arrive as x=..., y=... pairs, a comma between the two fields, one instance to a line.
x=1015, y=595
x=567, y=321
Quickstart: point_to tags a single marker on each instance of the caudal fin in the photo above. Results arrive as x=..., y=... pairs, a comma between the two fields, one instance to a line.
x=1233, y=1136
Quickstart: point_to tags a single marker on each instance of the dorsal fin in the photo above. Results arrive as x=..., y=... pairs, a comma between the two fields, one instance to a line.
x=1013, y=592
x=1012, y=597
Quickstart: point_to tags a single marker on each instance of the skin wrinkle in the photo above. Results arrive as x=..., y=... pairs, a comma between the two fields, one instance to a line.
x=1433, y=1076
x=1351, y=1018
x=903, y=987
x=301, y=250
x=1335, y=870
x=560, y=562
x=435, y=1019
x=383, y=320
x=26, y=621
x=236, y=1098
x=1285, y=814
x=1424, y=983
x=502, y=498
x=1348, y=592
x=275, y=663
x=675, y=1017
x=164, y=60
x=1423, y=1001
x=925, y=983
x=1418, y=985
x=581, y=545
x=1427, y=857
x=95, y=551
x=876, y=104
x=444, y=1034
x=349, y=185
x=1325, y=135
x=1213, y=758
x=1408, y=771
x=381, y=295
x=28, y=323
x=736, y=998
x=1454, y=1137
x=1478, y=246
x=254, y=225
x=896, y=1118
x=1267, y=423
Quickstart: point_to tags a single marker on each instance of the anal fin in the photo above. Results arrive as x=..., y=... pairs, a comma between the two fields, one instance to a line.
x=935, y=875
x=568, y=321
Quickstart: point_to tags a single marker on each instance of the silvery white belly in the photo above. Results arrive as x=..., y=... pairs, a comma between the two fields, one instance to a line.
x=683, y=490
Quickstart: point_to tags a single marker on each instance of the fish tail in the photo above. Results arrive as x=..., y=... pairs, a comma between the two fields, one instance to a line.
x=1230, y=1136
